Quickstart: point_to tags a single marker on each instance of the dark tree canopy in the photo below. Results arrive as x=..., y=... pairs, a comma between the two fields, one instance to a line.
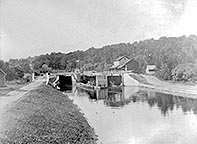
x=166, y=53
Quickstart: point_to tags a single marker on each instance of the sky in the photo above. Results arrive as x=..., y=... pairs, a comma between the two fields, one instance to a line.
x=34, y=27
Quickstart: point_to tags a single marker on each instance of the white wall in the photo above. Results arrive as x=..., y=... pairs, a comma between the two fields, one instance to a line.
x=116, y=63
x=129, y=81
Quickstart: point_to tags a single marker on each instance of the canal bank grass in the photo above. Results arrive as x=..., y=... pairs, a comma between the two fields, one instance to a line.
x=45, y=116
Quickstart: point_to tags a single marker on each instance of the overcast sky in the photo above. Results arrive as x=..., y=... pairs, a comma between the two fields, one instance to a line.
x=33, y=27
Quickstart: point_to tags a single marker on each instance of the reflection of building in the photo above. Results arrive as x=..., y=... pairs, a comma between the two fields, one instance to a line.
x=101, y=94
x=116, y=100
x=114, y=97
x=2, y=78
x=95, y=94
x=123, y=63
x=163, y=102
x=151, y=94
x=129, y=91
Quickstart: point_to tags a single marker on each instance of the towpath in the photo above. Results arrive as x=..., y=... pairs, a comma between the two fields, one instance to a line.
x=16, y=94
x=171, y=88
x=7, y=100
x=37, y=113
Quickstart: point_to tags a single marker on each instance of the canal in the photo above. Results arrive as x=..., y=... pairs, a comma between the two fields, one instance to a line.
x=131, y=115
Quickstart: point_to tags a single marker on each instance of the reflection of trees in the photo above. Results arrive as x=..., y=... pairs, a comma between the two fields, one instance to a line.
x=166, y=102
x=188, y=104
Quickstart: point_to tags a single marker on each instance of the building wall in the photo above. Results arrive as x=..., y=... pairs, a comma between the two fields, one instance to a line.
x=129, y=81
x=101, y=80
x=133, y=65
x=150, y=69
x=116, y=63
x=2, y=80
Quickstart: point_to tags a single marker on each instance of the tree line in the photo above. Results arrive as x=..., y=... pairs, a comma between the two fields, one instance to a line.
x=169, y=54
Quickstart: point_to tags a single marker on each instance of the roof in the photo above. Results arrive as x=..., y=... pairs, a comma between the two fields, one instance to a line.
x=114, y=66
x=121, y=65
x=2, y=72
x=119, y=58
x=151, y=66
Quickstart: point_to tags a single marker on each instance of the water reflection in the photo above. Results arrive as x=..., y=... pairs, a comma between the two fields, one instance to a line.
x=166, y=102
x=138, y=116
x=120, y=96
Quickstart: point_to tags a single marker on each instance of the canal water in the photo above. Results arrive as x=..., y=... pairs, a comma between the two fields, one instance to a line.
x=130, y=115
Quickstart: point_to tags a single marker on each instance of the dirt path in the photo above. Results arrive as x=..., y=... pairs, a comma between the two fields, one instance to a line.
x=7, y=100
x=166, y=87
x=16, y=94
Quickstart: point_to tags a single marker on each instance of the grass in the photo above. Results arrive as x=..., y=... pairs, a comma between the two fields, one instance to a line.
x=45, y=116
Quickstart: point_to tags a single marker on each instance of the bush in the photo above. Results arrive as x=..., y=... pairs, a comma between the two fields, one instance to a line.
x=27, y=77
x=164, y=72
x=185, y=72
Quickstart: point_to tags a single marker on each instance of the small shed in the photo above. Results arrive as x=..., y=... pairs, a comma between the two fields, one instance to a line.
x=2, y=78
x=150, y=69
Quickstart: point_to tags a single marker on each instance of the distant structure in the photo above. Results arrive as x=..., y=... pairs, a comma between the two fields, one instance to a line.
x=2, y=78
x=33, y=76
x=124, y=63
x=150, y=69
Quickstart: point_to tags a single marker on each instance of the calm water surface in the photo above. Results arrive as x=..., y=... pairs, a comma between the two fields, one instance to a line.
x=130, y=115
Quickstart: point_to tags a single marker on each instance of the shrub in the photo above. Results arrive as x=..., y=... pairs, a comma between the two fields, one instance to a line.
x=185, y=72
x=27, y=77
x=164, y=72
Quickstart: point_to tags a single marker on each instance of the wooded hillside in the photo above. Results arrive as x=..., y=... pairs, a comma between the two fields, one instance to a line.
x=166, y=53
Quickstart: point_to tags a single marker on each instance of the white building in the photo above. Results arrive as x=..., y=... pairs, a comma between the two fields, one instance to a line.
x=150, y=69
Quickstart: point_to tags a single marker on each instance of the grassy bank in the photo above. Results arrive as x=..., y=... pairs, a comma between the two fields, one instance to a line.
x=8, y=88
x=45, y=116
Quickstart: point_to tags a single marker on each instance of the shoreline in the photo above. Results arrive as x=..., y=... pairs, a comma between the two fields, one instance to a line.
x=175, y=88
x=45, y=115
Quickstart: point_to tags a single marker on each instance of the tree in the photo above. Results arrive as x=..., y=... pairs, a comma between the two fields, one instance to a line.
x=27, y=77
x=45, y=68
x=185, y=72
x=166, y=53
x=19, y=72
x=164, y=72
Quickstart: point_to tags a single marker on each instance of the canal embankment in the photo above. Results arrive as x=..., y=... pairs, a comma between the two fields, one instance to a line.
x=170, y=88
x=151, y=82
x=44, y=115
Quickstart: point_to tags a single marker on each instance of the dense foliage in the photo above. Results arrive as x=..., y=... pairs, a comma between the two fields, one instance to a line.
x=166, y=53
x=9, y=71
x=16, y=68
x=185, y=72
x=59, y=60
